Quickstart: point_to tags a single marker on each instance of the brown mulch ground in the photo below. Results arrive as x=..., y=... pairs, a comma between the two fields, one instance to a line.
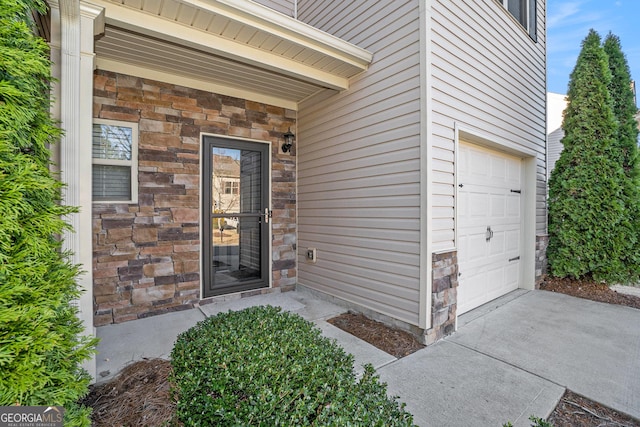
x=589, y=290
x=393, y=341
x=140, y=394
x=578, y=411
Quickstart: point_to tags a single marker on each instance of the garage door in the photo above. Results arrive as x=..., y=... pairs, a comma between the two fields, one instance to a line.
x=489, y=222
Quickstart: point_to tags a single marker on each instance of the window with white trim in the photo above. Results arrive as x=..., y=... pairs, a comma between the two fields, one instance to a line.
x=524, y=11
x=115, y=161
x=231, y=187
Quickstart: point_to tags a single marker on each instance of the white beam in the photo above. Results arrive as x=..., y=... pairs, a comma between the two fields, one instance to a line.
x=267, y=19
x=164, y=29
x=208, y=86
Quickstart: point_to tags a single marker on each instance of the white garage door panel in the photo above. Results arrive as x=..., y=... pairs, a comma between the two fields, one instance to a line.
x=488, y=268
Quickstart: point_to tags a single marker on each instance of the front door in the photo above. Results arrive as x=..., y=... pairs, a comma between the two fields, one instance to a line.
x=236, y=215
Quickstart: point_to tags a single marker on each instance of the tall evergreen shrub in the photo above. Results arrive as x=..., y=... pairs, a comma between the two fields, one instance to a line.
x=588, y=224
x=624, y=106
x=41, y=347
x=625, y=148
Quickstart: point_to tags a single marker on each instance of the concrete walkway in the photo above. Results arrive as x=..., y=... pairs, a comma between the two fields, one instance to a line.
x=509, y=359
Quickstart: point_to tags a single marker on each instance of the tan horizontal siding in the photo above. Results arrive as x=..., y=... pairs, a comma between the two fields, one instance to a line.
x=359, y=164
x=488, y=75
x=283, y=6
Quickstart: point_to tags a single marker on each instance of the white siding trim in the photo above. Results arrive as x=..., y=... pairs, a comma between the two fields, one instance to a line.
x=426, y=210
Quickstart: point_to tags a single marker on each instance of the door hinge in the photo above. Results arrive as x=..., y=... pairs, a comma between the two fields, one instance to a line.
x=516, y=191
x=514, y=258
x=267, y=215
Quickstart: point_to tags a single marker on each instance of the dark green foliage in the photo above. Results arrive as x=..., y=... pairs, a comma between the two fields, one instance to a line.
x=536, y=422
x=625, y=147
x=262, y=366
x=40, y=347
x=624, y=107
x=589, y=224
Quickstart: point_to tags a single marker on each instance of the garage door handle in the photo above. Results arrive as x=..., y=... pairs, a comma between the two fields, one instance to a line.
x=489, y=233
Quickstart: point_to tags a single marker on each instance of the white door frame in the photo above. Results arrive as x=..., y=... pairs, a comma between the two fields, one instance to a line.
x=528, y=199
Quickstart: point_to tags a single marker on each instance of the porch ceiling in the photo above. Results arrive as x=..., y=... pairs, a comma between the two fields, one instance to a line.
x=235, y=47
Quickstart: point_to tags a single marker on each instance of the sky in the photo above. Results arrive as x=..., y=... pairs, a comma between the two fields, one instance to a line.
x=569, y=21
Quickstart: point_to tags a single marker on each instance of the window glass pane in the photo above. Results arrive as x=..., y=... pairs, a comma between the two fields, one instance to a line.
x=533, y=20
x=250, y=181
x=518, y=8
x=111, y=183
x=112, y=142
x=226, y=172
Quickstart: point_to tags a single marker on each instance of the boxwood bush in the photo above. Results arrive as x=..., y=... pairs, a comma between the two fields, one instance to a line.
x=263, y=366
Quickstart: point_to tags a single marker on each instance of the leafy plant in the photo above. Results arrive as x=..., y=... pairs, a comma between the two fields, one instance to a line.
x=262, y=366
x=589, y=221
x=537, y=422
x=625, y=146
x=41, y=349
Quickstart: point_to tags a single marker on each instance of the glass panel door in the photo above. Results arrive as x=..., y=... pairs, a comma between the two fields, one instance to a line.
x=236, y=215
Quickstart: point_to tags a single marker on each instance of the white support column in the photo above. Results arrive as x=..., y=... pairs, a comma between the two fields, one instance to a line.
x=426, y=167
x=78, y=23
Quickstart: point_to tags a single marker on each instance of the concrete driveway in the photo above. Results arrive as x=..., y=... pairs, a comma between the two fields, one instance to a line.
x=514, y=357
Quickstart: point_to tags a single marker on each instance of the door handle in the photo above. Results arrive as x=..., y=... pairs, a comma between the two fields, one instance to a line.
x=267, y=215
x=489, y=233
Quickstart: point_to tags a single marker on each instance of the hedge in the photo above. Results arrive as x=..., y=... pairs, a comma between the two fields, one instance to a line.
x=41, y=346
x=263, y=366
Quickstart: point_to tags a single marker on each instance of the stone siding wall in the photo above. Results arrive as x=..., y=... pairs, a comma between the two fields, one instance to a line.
x=146, y=257
x=541, y=258
x=444, y=296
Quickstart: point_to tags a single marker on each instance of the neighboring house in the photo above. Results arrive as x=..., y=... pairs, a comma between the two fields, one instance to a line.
x=417, y=174
x=225, y=183
x=556, y=104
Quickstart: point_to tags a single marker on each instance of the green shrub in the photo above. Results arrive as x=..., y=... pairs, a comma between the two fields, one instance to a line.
x=625, y=148
x=41, y=350
x=537, y=422
x=590, y=231
x=262, y=366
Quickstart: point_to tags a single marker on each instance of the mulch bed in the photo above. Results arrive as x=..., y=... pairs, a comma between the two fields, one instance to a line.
x=578, y=411
x=393, y=341
x=590, y=290
x=139, y=396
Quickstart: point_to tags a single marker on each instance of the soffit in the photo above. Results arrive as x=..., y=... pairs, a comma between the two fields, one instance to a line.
x=236, y=45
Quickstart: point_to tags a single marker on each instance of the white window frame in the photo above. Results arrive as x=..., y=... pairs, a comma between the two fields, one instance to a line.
x=531, y=24
x=132, y=164
x=233, y=186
